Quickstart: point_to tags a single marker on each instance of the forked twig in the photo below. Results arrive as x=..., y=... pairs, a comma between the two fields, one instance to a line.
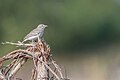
x=18, y=44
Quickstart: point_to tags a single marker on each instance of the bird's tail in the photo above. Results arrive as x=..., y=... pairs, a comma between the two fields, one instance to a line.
x=24, y=41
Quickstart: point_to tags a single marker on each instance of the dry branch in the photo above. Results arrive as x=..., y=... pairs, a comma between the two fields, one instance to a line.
x=39, y=52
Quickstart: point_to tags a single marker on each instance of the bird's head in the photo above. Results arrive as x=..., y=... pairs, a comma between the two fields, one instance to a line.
x=42, y=26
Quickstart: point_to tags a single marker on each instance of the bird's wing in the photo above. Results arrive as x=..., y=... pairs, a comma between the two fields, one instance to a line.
x=32, y=33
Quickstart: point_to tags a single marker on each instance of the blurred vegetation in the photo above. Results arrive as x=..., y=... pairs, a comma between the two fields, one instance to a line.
x=73, y=24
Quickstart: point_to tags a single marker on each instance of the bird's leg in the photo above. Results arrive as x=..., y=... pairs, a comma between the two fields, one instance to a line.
x=39, y=39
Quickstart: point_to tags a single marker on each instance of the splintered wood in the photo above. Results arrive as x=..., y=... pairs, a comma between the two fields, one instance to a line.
x=39, y=53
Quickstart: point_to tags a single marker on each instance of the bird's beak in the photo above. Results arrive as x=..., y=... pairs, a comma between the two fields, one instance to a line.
x=46, y=25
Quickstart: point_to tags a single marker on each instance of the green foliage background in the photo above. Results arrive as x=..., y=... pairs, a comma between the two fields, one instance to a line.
x=73, y=24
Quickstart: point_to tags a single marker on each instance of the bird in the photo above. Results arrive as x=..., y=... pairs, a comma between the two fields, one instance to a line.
x=35, y=34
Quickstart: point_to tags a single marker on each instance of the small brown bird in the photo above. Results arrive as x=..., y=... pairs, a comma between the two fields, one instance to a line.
x=37, y=33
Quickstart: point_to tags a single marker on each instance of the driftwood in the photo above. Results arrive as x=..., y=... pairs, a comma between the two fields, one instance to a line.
x=39, y=53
